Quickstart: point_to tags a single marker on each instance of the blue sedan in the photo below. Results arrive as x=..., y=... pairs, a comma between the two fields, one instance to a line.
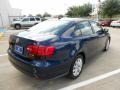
x=57, y=48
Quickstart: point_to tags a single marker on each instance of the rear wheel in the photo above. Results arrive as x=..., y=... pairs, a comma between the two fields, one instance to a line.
x=76, y=67
x=17, y=26
x=35, y=23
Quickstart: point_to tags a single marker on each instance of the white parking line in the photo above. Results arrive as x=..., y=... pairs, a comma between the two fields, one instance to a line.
x=3, y=41
x=5, y=65
x=87, y=82
x=1, y=55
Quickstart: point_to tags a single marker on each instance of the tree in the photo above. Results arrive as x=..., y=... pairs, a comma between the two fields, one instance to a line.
x=79, y=11
x=39, y=15
x=30, y=15
x=110, y=8
x=60, y=16
x=46, y=14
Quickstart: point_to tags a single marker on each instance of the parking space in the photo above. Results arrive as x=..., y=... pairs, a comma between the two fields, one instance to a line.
x=102, y=63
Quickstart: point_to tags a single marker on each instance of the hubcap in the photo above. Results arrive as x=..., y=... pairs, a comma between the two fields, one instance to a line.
x=107, y=46
x=77, y=67
x=17, y=26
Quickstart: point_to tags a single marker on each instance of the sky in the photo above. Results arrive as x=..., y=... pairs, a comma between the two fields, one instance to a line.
x=54, y=7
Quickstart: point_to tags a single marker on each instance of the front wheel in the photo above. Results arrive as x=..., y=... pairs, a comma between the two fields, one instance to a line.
x=76, y=67
x=17, y=26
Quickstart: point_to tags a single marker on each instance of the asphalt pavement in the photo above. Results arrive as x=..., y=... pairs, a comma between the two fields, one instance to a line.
x=101, y=64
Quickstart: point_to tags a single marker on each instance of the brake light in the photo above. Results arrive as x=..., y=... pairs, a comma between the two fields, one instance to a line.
x=40, y=50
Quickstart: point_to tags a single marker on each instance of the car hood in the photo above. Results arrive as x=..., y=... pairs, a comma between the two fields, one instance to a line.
x=36, y=37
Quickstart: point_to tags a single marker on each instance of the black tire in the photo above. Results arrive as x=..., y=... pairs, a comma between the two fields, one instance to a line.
x=35, y=23
x=71, y=72
x=107, y=44
x=17, y=26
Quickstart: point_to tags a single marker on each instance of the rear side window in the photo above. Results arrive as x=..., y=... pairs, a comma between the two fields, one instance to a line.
x=25, y=20
x=96, y=26
x=32, y=19
x=38, y=19
x=85, y=28
x=69, y=32
x=77, y=31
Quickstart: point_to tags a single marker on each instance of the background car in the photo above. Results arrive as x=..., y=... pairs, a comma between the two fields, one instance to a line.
x=115, y=23
x=105, y=22
x=57, y=48
x=26, y=22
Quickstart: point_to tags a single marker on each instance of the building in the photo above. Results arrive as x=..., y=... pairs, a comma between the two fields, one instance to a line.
x=6, y=11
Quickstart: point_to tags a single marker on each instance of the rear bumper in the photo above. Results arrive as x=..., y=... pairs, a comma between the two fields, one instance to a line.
x=41, y=69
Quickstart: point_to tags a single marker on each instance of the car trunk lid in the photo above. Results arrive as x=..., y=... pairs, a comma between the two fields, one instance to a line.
x=19, y=43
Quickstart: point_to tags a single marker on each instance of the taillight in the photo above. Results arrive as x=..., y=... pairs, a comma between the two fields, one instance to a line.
x=40, y=50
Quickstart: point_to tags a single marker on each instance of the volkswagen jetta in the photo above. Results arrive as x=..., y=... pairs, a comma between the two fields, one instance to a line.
x=57, y=48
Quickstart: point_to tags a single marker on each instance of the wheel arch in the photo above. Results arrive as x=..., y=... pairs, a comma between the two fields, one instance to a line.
x=17, y=24
x=109, y=38
x=84, y=56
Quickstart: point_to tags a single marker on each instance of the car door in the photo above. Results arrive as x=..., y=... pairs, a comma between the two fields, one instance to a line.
x=25, y=22
x=88, y=39
x=101, y=35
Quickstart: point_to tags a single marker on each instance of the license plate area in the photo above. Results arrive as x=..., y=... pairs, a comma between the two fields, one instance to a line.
x=18, y=49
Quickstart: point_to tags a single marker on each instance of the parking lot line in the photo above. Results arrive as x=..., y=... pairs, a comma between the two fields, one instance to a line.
x=90, y=81
x=1, y=55
x=3, y=41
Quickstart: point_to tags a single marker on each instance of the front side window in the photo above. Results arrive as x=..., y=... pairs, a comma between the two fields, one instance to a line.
x=96, y=26
x=38, y=19
x=25, y=20
x=32, y=19
x=85, y=28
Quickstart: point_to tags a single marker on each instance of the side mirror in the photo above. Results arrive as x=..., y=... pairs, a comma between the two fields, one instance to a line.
x=106, y=30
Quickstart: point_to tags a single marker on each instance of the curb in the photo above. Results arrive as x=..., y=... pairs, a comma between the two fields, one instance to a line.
x=2, y=31
x=1, y=34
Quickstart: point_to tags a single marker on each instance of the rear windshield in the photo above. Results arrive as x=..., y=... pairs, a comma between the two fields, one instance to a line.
x=49, y=27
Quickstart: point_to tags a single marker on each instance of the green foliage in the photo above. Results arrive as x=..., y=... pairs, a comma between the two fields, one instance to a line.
x=46, y=14
x=110, y=8
x=39, y=15
x=79, y=11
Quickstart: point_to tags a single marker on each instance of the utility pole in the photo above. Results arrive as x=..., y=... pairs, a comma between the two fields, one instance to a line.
x=98, y=9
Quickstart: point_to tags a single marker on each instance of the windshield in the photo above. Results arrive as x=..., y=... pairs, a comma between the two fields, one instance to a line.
x=49, y=27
